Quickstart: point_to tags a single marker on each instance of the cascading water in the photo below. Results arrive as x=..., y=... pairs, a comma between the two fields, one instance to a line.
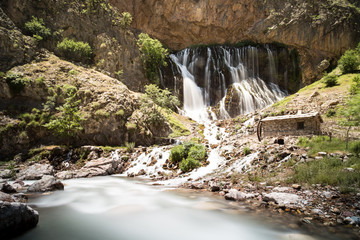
x=232, y=80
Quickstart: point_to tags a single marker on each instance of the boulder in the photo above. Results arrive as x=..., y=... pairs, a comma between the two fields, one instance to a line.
x=98, y=167
x=7, y=188
x=6, y=197
x=35, y=172
x=65, y=174
x=287, y=200
x=235, y=195
x=47, y=183
x=6, y=173
x=16, y=218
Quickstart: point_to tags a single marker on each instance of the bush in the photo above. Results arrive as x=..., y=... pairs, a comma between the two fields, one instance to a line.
x=331, y=113
x=246, y=151
x=177, y=154
x=330, y=80
x=36, y=27
x=197, y=152
x=77, y=51
x=355, y=148
x=129, y=146
x=16, y=82
x=189, y=164
x=153, y=55
x=162, y=98
x=349, y=62
x=355, y=86
x=126, y=19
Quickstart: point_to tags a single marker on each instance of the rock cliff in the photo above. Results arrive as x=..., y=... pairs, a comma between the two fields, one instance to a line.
x=319, y=30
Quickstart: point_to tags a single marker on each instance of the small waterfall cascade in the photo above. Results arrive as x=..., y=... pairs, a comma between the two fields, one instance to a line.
x=230, y=80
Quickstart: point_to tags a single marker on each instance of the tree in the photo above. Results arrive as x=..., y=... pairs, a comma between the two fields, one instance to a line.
x=162, y=97
x=67, y=123
x=153, y=55
x=351, y=113
x=350, y=61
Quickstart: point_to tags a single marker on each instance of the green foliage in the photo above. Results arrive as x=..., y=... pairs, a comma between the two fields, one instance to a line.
x=129, y=146
x=177, y=154
x=16, y=82
x=162, y=98
x=188, y=155
x=77, y=51
x=102, y=113
x=355, y=148
x=328, y=171
x=67, y=123
x=322, y=144
x=126, y=19
x=37, y=28
x=350, y=114
x=40, y=80
x=151, y=115
x=355, y=86
x=120, y=113
x=246, y=151
x=330, y=80
x=331, y=113
x=153, y=55
x=188, y=164
x=349, y=62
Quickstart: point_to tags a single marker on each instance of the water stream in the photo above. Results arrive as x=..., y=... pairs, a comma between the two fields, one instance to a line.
x=118, y=208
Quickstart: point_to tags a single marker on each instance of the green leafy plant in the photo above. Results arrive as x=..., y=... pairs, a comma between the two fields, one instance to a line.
x=36, y=27
x=126, y=19
x=355, y=86
x=177, y=154
x=350, y=61
x=67, y=123
x=355, y=148
x=162, y=97
x=188, y=155
x=16, y=82
x=188, y=164
x=330, y=80
x=77, y=51
x=246, y=151
x=129, y=146
x=330, y=113
x=153, y=55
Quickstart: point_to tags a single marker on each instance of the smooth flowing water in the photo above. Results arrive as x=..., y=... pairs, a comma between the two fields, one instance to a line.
x=118, y=208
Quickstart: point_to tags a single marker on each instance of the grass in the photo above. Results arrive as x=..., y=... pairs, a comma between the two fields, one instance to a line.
x=178, y=129
x=329, y=171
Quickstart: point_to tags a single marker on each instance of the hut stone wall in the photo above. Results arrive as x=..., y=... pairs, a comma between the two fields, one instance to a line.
x=295, y=127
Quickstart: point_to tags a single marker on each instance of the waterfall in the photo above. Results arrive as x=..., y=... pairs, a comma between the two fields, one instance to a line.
x=230, y=80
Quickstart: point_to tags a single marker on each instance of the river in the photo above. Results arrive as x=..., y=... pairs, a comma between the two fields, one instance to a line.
x=115, y=207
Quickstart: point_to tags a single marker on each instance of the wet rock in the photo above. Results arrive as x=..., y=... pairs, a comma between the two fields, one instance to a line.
x=235, y=195
x=47, y=183
x=196, y=186
x=98, y=167
x=141, y=172
x=16, y=218
x=65, y=175
x=7, y=188
x=6, y=173
x=20, y=197
x=18, y=184
x=6, y=197
x=214, y=187
x=35, y=172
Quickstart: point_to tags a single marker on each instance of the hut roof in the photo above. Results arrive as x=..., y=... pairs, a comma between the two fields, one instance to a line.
x=297, y=116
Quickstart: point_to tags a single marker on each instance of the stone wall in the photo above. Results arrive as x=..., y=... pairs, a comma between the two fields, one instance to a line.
x=287, y=127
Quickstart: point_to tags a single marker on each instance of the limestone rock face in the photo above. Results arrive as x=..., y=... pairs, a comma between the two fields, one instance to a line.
x=319, y=30
x=16, y=218
x=15, y=47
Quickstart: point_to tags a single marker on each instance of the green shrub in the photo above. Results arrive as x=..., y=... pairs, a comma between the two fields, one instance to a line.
x=349, y=62
x=153, y=55
x=151, y=114
x=129, y=146
x=126, y=19
x=16, y=82
x=36, y=27
x=331, y=113
x=177, y=154
x=246, y=151
x=102, y=113
x=355, y=148
x=162, y=98
x=120, y=113
x=197, y=152
x=77, y=51
x=355, y=86
x=189, y=164
x=330, y=80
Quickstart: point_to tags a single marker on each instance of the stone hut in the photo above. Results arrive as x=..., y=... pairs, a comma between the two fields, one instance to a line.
x=295, y=125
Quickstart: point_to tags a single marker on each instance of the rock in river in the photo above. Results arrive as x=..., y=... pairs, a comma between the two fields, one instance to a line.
x=236, y=195
x=47, y=183
x=35, y=172
x=15, y=218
